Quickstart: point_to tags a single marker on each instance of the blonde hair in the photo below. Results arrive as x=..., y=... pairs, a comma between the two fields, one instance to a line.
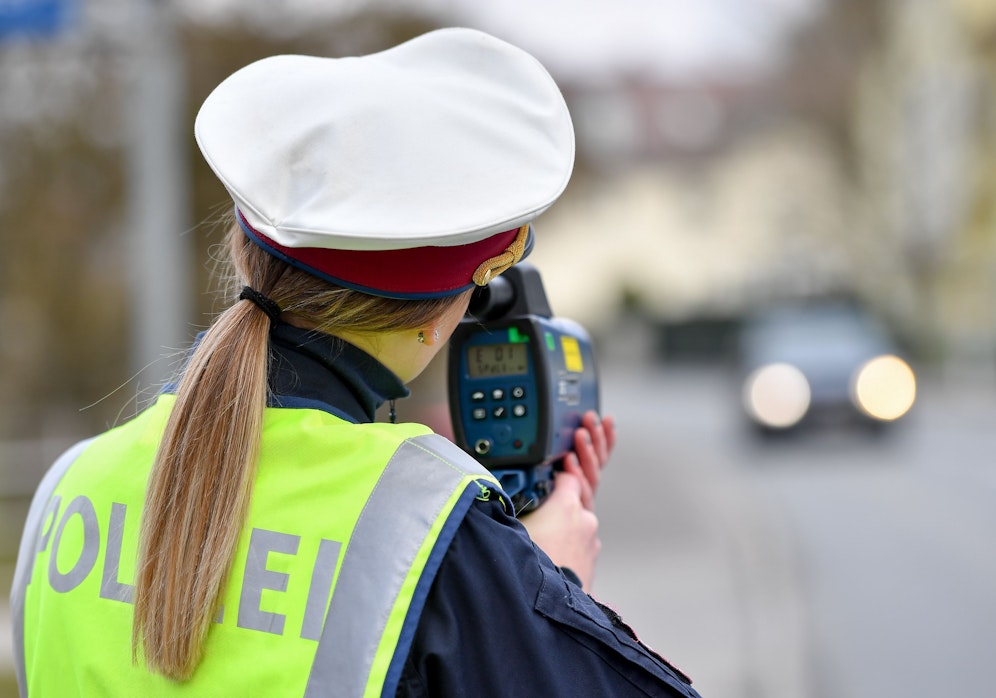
x=202, y=479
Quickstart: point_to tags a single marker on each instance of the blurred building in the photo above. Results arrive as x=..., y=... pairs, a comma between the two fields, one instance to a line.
x=864, y=166
x=710, y=193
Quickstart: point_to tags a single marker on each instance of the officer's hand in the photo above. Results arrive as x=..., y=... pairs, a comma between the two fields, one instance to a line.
x=565, y=529
x=593, y=443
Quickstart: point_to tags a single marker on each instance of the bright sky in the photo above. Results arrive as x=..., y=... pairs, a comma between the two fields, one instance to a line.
x=668, y=37
x=594, y=38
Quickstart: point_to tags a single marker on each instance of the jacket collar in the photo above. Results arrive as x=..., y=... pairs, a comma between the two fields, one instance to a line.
x=309, y=366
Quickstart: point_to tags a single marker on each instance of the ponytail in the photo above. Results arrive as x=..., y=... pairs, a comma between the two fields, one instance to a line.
x=202, y=478
x=199, y=490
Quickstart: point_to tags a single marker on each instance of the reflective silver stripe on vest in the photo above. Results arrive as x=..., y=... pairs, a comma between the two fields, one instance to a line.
x=417, y=482
x=31, y=541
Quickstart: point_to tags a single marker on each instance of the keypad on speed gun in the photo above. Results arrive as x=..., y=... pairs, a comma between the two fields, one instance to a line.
x=498, y=403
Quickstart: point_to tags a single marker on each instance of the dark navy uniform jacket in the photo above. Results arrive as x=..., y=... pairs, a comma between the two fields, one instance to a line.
x=500, y=618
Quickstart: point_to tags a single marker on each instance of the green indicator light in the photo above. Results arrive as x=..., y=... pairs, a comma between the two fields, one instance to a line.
x=551, y=343
x=515, y=338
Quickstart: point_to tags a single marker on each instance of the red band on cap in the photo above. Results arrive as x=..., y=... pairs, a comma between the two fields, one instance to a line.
x=415, y=272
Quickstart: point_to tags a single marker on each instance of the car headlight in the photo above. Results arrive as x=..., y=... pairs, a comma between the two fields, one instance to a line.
x=884, y=388
x=777, y=395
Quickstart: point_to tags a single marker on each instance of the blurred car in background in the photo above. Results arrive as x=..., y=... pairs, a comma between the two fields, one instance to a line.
x=823, y=362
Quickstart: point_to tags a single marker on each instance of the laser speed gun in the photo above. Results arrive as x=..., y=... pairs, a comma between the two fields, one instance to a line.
x=519, y=381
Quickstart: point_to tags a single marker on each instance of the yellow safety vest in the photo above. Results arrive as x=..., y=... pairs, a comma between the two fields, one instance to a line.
x=347, y=525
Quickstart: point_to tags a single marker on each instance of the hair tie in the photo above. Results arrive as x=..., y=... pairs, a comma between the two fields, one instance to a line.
x=267, y=305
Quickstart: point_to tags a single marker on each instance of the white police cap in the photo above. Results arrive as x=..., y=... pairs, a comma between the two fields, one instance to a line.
x=435, y=154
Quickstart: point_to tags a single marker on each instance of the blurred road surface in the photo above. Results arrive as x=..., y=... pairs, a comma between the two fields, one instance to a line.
x=838, y=565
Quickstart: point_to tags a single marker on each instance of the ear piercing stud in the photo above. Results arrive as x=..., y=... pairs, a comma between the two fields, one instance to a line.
x=422, y=340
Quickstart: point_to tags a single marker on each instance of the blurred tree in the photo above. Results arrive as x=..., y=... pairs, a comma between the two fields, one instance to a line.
x=925, y=131
x=821, y=76
x=64, y=295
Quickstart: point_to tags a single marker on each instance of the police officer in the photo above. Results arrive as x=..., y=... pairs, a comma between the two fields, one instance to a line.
x=255, y=531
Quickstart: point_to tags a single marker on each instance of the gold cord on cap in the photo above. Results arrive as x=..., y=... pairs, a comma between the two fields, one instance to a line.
x=491, y=268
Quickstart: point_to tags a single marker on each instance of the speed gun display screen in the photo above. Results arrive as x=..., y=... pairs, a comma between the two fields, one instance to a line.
x=492, y=360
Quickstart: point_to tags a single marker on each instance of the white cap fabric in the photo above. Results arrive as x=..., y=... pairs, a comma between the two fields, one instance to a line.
x=444, y=140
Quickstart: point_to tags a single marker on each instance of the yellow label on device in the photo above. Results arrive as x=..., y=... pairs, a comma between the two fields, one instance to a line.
x=572, y=354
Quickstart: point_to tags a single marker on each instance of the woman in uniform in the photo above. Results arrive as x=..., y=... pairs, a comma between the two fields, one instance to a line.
x=255, y=531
